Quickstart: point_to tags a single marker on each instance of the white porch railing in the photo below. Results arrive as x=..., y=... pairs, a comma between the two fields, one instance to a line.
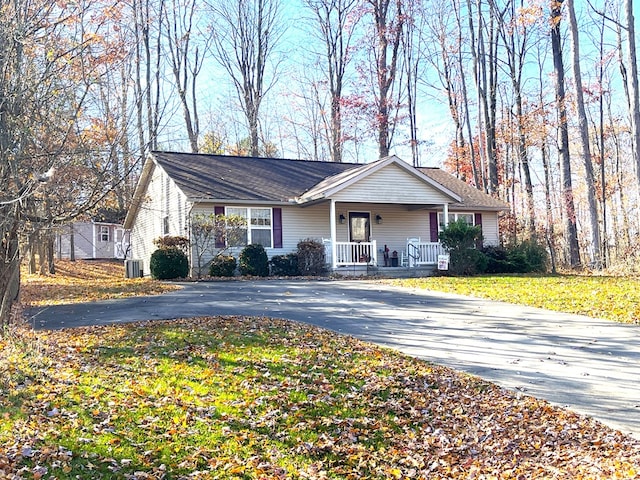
x=354, y=253
x=422, y=253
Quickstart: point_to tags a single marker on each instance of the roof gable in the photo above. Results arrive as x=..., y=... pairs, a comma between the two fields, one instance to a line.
x=333, y=185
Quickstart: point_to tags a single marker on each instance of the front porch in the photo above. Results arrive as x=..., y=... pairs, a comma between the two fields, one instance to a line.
x=416, y=254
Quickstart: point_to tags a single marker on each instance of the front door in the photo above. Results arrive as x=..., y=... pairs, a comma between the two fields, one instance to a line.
x=359, y=226
x=360, y=232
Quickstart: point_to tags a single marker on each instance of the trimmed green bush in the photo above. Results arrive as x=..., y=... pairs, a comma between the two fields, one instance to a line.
x=223, y=266
x=311, y=257
x=254, y=261
x=460, y=240
x=284, y=265
x=169, y=263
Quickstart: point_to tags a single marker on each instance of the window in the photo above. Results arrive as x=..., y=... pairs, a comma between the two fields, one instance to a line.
x=105, y=233
x=165, y=225
x=258, y=226
x=454, y=217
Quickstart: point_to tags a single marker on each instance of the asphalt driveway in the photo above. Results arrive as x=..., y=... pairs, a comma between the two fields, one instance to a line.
x=589, y=365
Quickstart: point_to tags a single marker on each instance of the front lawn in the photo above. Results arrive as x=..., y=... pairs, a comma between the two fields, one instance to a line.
x=612, y=298
x=256, y=398
x=86, y=281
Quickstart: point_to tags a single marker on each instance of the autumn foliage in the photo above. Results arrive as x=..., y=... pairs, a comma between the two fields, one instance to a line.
x=246, y=397
x=85, y=281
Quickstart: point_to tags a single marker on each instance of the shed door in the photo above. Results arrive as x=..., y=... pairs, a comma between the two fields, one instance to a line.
x=359, y=226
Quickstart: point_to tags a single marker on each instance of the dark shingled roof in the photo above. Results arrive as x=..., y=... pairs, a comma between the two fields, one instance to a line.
x=223, y=177
x=218, y=177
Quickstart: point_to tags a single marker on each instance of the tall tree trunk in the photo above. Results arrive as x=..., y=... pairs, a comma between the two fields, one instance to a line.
x=570, y=228
x=583, y=127
x=388, y=18
x=478, y=182
x=633, y=85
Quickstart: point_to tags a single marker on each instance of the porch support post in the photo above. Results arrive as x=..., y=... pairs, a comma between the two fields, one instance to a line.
x=332, y=219
x=445, y=211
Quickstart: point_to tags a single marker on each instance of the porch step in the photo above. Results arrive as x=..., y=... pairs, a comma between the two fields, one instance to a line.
x=385, y=272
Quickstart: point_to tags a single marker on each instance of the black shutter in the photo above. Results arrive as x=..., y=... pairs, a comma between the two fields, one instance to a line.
x=277, y=228
x=433, y=226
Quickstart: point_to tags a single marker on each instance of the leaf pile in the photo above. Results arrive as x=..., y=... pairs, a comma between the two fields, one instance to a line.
x=86, y=281
x=612, y=298
x=257, y=398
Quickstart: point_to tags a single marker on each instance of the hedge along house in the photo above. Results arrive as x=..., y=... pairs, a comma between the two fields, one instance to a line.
x=369, y=216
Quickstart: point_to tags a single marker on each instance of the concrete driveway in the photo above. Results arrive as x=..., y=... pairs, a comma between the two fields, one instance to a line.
x=589, y=365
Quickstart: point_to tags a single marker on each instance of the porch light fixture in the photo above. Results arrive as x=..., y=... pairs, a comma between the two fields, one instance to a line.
x=378, y=218
x=341, y=218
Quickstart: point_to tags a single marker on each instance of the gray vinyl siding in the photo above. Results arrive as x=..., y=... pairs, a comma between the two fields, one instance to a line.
x=162, y=199
x=391, y=185
x=87, y=241
x=490, y=233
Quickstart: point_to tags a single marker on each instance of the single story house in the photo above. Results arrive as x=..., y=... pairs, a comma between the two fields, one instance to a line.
x=384, y=213
x=83, y=240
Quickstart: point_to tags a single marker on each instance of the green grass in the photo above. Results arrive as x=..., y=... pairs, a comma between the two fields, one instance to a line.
x=611, y=298
x=257, y=398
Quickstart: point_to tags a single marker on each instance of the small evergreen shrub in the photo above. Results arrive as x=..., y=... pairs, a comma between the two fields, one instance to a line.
x=460, y=240
x=497, y=259
x=254, y=261
x=223, y=266
x=284, y=265
x=526, y=257
x=311, y=257
x=169, y=263
x=535, y=255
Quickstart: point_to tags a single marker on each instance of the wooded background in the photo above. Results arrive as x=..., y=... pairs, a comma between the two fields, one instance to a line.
x=534, y=102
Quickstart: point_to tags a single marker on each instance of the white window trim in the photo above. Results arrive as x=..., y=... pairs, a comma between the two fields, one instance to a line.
x=248, y=218
x=104, y=231
x=455, y=218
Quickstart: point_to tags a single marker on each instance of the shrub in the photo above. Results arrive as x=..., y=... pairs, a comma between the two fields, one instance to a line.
x=223, y=266
x=169, y=263
x=460, y=239
x=284, y=265
x=254, y=261
x=526, y=257
x=171, y=241
x=311, y=257
x=534, y=254
x=497, y=260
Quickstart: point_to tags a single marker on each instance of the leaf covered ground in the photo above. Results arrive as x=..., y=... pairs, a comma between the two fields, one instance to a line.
x=611, y=298
x=86, y=281
x=257, y=398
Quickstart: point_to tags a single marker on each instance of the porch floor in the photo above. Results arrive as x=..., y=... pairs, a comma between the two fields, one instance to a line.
x=385, y=272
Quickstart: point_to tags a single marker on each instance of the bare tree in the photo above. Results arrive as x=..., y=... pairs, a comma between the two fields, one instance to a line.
x=186, y=60
x=515, y=35
x=48, y=71
x=388, y=24
x=245, y=34
x=569, y=213
x=632, y=79
x=148, y=31
x=336, y=21
x=583, y=127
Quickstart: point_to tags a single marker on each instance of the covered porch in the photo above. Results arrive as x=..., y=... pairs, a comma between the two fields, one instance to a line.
x=384, y=236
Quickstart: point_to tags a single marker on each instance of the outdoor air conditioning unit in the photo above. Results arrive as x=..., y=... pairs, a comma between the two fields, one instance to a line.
x=133, y=268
